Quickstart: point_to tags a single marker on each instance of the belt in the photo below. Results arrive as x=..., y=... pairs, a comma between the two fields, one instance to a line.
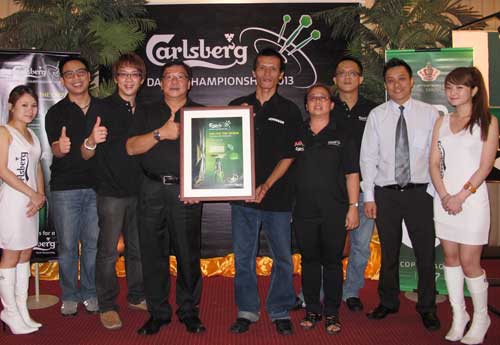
x=408, y=186
x=164, y=179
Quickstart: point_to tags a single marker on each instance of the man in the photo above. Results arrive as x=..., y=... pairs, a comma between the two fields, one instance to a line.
x=117, y=176
x=395, y=167
x=72, y=199
x=164, y=221
x=276, y=122
x=350, y=113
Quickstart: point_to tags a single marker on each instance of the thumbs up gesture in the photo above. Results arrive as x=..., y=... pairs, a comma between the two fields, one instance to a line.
x=64, y=142
x=99, y=133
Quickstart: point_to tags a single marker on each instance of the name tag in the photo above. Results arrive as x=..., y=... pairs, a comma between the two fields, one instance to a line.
x=334, y=143
x=281, y=122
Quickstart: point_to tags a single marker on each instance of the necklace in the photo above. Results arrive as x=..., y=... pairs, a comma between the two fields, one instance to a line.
x=85, y=106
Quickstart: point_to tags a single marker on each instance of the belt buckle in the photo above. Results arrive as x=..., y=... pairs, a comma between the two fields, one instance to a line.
x=166, y=180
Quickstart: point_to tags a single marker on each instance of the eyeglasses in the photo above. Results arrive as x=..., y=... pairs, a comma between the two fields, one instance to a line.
x=344, y=74
x=179, y=76
x=134, y=76
x=81, y=72
x=317, y=98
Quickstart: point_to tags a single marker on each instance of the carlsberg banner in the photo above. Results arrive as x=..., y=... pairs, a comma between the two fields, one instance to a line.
x=430, y=68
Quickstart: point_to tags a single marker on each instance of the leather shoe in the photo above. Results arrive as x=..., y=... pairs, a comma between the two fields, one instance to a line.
x=431, y=321
x=283, y=326
x=354, y=304
x=152, y=326
x=380, y=312
x=241, y=325
x=193, y=324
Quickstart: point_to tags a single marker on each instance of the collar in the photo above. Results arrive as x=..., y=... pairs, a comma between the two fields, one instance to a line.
x=395, y=106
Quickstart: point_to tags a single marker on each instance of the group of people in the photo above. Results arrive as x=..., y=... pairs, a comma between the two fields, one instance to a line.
x=116, y=169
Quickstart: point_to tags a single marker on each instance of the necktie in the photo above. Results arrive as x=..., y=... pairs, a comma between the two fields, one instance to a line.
x=402, y=166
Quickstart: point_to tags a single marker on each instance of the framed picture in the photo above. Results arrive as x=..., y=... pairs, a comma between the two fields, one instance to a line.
x=217, y=155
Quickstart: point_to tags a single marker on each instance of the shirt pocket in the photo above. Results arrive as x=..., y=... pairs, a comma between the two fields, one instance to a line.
x=421, y=139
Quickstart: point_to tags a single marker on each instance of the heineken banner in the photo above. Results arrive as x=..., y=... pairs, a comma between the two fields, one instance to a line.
x=430, y=68
x=39, y=70
x=220, y=42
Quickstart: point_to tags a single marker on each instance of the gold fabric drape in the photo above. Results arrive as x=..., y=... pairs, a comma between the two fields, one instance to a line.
x=224, y=266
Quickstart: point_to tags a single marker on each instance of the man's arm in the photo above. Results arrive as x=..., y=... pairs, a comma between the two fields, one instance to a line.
x=140, y=144
x=368, y=161
x=279, y=170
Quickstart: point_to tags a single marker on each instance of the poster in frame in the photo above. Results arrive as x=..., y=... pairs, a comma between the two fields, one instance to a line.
x=217, y=153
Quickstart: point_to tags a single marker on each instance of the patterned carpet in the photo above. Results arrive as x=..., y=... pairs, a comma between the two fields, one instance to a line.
x=218, y=311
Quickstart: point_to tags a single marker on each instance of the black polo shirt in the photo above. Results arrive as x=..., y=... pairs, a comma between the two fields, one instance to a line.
x=321, y=163
x=117, y=174
x=71, y=171
x=163, y=158
x=275, y=127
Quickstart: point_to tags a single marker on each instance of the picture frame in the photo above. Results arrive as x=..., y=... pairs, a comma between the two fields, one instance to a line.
x=217, y=154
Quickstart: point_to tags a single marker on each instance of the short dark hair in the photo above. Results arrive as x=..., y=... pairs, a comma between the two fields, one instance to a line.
x=395, y=62
x=73, y=58
x=353, y=59
x=270, y=52
x=131, y=60
x=177, y=62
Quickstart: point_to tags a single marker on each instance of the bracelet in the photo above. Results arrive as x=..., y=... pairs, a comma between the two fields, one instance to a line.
x=468, y=186
x=90, y=148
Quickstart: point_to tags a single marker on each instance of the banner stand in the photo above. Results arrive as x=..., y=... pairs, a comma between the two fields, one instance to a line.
x=413, y=296
x=40, y=301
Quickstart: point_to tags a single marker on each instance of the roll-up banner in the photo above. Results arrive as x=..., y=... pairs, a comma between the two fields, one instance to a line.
x=430, y=67
x=39, y=70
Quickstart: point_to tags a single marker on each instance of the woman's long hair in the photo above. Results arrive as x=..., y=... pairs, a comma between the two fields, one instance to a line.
x=471, y=77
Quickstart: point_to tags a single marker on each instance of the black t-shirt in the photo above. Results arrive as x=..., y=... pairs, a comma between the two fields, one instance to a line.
x=117, y=174
x=163, y=158
x=321, y=163
x=71, y=171
x=275, y=127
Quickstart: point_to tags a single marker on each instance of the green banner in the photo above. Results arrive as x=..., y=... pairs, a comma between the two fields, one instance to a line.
x=430, y=68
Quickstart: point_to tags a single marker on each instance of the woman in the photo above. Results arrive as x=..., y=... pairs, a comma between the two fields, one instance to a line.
x=21, y=196
x=327, y=191
x=464, y=147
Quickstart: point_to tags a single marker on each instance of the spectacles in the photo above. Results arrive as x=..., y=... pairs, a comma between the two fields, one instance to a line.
x=172, y=76
x=81, y=72
x=317, y=98
x=344, y=74
x=134, y=76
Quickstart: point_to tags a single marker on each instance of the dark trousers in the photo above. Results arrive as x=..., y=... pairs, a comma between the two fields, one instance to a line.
x=415, y=207
x=165, y=222
x=117, y=215
x=321, y=243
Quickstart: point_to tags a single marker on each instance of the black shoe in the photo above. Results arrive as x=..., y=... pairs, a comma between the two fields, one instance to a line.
x=283, y=326
x=431, y=321
x=241, y=325
x=152, y=326
x=354, y=304
x=299, y=303
x=193, y=324
x=380, y=312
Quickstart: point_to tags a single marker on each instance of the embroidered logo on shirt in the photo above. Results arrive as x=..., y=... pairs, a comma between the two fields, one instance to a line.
x=299, y=146
x=334, y=142
x=281, y=122
x=362, y=118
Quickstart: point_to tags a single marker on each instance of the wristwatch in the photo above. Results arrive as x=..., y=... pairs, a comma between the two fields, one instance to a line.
x=156, y=135
x=354, y=204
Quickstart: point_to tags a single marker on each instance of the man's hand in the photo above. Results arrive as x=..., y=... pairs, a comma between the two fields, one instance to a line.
x=64, y=143
x=260, y=193
x=352, y=218
x=99, y=133
x=370, y=209
x=170, y=130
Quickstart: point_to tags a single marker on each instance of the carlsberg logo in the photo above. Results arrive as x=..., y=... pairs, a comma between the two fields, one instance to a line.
x=197, y=53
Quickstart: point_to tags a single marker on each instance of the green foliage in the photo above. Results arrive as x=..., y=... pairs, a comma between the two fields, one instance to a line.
x=101, y=30
x=394, y=24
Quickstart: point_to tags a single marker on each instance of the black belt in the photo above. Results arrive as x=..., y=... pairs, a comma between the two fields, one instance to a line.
x=165, y=179
x=408, y=186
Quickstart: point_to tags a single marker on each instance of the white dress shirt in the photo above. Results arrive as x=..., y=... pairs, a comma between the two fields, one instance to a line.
x=377, y=157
